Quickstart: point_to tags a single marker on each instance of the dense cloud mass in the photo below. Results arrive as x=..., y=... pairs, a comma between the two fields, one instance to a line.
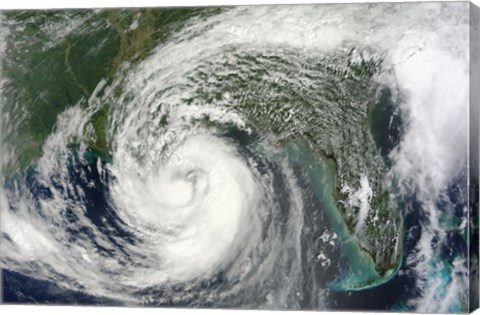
x=246, y=163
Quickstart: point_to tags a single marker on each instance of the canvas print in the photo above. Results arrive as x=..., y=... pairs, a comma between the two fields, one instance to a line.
x=292, y=157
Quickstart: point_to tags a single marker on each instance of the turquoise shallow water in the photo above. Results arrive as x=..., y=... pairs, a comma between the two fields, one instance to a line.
x=360, y=273
x=180, y=103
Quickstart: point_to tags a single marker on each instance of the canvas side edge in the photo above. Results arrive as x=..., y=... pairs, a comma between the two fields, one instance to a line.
x=474, y=99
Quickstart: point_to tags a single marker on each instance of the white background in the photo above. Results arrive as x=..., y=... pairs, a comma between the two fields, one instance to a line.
x=42, y=4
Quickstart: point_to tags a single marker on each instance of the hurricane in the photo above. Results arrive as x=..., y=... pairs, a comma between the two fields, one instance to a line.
x=259, y=157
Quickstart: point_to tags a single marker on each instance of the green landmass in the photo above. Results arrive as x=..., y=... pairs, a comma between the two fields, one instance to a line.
x=328, y=102
x=46, y=75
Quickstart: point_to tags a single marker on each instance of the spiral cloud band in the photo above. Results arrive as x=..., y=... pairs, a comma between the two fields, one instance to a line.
x=252, y=157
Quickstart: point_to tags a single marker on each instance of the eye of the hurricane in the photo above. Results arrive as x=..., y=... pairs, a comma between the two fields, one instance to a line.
x=178, y=188
x=194, y=211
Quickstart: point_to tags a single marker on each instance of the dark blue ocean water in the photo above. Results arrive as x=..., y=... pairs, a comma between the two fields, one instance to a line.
x=392, y=295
